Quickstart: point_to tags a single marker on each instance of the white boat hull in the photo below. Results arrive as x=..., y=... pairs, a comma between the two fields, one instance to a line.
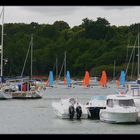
x=118, y=117
x=4, y=95
x=28, y=94
x=62, y=112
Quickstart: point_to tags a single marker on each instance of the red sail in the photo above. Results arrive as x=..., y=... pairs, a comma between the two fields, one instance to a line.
x=103, y=81
x=86, y=79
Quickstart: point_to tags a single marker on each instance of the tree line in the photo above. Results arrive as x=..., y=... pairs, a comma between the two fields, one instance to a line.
x=93, y=45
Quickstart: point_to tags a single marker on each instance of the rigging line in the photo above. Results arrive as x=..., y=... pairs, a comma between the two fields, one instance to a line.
x=54, y=66
x=61, y=69
x=131, y=56
x=26, y=59
x=135, y=70
x=132, y=64
x=1, y=12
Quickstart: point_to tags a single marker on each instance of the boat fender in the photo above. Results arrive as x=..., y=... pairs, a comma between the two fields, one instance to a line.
x=79, y=112
x=71, y=111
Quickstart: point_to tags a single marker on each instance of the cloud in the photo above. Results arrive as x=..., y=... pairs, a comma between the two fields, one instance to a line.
x=51, y=10
x=117, y=7
x=73, y=15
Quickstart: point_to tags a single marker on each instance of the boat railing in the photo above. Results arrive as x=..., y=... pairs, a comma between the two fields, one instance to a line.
x=134, y=89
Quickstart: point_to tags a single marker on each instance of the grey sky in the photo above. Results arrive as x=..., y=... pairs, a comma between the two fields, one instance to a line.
x=73, y=15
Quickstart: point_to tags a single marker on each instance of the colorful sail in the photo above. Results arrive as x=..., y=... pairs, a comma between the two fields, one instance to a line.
x=86, y=80
x=51, y=80
x=68, y=79
x=65, y=81
x=122, y=78
x=103, y=81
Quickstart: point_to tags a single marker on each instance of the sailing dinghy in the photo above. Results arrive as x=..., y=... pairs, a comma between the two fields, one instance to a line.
x=86, y=80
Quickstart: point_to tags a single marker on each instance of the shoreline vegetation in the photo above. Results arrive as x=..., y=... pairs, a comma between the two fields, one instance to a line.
x=93, y=45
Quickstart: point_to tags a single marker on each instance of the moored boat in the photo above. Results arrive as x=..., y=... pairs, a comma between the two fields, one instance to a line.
x=28, y=90
x=94, y=105
x=70, y=109
x=119, y=109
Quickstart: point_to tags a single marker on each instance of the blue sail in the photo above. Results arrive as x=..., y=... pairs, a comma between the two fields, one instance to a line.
x=51, y=79
x=122, y=78
x=68, y=79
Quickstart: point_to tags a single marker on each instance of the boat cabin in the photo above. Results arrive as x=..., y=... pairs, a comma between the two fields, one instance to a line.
x=119, y=100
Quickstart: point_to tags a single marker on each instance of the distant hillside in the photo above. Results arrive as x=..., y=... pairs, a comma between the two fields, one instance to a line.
x=93, y=46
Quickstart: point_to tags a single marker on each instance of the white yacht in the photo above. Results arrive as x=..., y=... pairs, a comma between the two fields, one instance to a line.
x=119, y=109
x=28, y=90
x=70, y=109
x=94, y=105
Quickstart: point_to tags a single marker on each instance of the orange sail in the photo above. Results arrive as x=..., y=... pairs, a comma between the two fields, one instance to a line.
x=65, y=81
x=47, y=82
x=86, y=79
x=103, y=81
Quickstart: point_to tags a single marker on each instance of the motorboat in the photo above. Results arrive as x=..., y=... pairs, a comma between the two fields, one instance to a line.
x=94, y=105
x=120, y=108
x=70, y=109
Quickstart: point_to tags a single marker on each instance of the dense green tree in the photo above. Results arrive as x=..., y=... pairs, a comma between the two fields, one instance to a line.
x=93, y=45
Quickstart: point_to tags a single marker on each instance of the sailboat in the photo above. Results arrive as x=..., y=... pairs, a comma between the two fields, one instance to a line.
x=103, y=80
x=30, y=89
x=50, y=81
x=86, y=80
x=4, y=88
x=121, y=82
x=68, y=80
x=133, y=87
x=64, y=82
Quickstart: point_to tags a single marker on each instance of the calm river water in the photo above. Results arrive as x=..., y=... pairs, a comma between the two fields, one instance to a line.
x=37, y=117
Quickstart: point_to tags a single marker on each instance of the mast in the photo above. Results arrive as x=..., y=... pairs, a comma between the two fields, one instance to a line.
x=56, y=69
x=31, y=56
x=2, y=31
x=138, y=57
x=65, y=65
x=30, y=47
x=114, y=70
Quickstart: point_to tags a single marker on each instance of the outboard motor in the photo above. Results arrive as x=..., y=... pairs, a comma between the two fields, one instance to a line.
x=71, y=111
x=79, y=112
